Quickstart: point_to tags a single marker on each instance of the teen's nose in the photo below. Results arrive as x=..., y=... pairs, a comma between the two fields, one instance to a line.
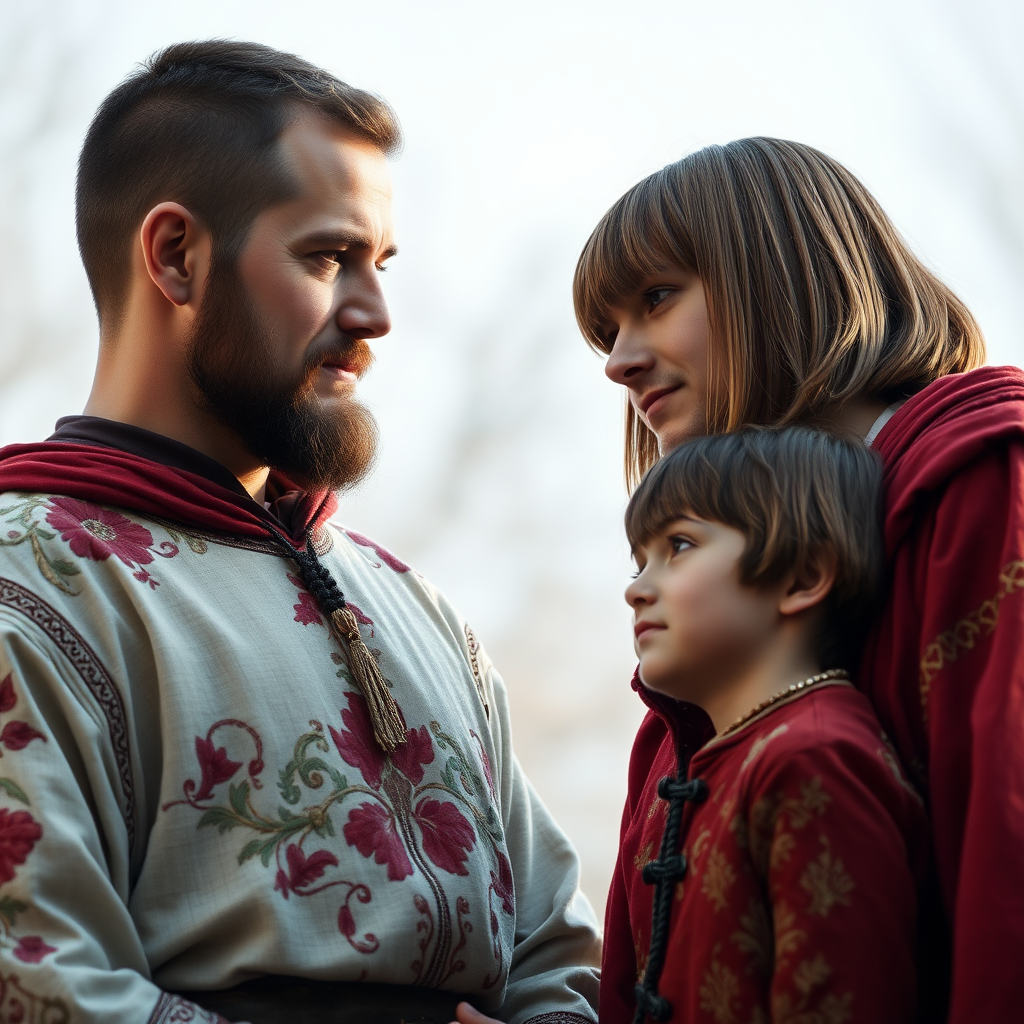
x=629, y=359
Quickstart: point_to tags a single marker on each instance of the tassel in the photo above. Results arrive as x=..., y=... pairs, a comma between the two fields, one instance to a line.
x=385, y=717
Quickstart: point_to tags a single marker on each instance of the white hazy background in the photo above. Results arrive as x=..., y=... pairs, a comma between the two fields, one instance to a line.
x=500, y=474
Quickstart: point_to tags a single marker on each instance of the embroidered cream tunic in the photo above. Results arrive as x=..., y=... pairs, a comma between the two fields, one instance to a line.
x=190, y=795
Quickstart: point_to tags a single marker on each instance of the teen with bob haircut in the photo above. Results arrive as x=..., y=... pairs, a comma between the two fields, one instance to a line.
x=789, y=838
x=759, y=282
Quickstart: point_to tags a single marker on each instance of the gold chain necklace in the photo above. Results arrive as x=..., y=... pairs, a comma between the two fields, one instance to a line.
x=821, y=677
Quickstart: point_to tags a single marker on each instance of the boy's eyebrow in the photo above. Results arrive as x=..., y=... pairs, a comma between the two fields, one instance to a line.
x=664, y=524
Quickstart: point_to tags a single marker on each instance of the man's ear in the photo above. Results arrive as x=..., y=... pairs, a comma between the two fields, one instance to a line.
x=809, y=587
x=176, y=250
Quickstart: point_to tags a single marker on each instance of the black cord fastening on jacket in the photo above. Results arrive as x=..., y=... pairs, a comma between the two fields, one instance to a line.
x=663, y=874
x=322, y=584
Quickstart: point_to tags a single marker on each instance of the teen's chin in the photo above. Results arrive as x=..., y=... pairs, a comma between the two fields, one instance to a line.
x=659, y=682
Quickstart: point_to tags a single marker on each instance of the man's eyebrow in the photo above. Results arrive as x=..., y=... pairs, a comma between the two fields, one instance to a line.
x=342, y=239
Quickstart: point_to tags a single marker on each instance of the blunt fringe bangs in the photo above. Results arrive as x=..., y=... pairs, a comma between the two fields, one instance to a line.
x=797, y=494
x=198, y=124
x=813, y=297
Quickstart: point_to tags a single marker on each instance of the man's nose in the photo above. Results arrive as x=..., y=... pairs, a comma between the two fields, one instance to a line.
x=629, y=359
x=363, y=312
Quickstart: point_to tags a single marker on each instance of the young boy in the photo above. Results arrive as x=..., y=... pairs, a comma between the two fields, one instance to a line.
x=770, y=843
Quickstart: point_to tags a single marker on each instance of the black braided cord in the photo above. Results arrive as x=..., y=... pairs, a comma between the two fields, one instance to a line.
x=317, y=577
x=663, y=874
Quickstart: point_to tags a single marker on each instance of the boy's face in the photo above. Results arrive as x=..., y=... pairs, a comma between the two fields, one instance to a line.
x=696, y=627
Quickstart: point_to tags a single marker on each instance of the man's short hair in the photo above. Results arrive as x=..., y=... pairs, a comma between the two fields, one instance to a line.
x=796, y=493
x=198, y=124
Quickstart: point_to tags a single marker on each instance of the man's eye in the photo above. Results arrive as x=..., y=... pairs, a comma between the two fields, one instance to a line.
x=679, y=544
x=655, y=296
x=331, y=257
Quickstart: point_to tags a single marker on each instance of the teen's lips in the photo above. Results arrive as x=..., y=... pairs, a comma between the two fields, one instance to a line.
x=649, y=400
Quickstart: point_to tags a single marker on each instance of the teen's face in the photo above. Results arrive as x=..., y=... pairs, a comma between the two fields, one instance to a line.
x=660, y=355
x=281, y=336
x=696, y=627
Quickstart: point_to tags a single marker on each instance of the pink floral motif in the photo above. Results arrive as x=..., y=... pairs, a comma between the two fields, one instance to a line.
x=215, y=765
x=19, y=832
x=417, y=751
x=303, y=870
x=346, y=922
x=382, y=553
x=31, y=949
x=357, y=745
x=503, y=885
x=371, y=830
x=18, y=735
x=447, y=836
x=8, y=698
x=97, y=533
x=306, y=611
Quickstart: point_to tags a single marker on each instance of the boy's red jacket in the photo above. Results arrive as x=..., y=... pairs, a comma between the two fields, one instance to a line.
x=799, y=897
x=945, y=666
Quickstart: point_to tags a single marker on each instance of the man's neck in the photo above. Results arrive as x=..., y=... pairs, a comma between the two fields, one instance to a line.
x=198, y=430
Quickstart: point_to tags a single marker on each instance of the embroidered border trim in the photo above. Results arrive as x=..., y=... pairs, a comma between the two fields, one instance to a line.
x=474, y=663
x=560, y=1017
x=15, y=1000
x=948, y=646
x=175, y=1010
x=93, y=673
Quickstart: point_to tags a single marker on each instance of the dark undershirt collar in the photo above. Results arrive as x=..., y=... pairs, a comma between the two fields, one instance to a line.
x=147, y=445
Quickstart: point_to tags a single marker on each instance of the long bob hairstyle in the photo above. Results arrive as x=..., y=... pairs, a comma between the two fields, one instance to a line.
x=813, y=297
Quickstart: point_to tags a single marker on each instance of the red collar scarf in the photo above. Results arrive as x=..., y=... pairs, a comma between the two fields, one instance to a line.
x=109, y=476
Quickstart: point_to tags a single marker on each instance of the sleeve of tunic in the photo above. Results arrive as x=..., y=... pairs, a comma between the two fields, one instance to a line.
x=839, y=836
x=554, y=972
x=69, y=951
x=971, y=583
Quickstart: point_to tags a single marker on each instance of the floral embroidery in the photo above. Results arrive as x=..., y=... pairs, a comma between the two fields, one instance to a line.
x=20, y=1004
x=19, y=833
x=825, y=880
x=719, y=878
x=755, y=938
x=473, y=646
x=91, y=532
x=171, y=1009
x=382, y=553
x=718, y=990
x=787, y=935
x=811, y=974
x=401, y=822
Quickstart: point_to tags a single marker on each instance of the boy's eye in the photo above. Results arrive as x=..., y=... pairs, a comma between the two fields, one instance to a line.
x=679, y=544
x=653, y=297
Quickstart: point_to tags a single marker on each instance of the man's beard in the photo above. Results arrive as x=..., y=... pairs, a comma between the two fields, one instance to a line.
x=280, y=420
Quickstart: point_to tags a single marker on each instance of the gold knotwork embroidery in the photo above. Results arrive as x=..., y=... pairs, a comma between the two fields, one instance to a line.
x=948, y=646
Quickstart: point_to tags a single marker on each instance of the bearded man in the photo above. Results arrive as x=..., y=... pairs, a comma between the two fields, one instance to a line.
x=253, y=765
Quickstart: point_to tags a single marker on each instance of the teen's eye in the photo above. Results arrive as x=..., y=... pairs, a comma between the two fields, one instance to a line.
x=654, y=297
x=679, y=544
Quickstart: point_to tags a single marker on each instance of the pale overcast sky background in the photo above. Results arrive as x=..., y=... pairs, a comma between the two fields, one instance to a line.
x=500, y=474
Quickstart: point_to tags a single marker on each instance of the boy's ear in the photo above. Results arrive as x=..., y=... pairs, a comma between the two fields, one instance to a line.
x=811, y=585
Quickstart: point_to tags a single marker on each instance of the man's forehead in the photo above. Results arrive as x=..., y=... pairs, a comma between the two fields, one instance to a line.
x=344, y=182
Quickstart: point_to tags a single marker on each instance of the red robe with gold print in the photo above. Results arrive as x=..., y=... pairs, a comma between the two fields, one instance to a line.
x=799, y=898
x=945, y=667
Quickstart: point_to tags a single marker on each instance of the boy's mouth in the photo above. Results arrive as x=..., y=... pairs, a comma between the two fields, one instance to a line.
x=643, y=627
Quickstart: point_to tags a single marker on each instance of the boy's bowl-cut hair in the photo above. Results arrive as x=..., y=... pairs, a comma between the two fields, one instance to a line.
x=797, y=494
x=813, y=297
